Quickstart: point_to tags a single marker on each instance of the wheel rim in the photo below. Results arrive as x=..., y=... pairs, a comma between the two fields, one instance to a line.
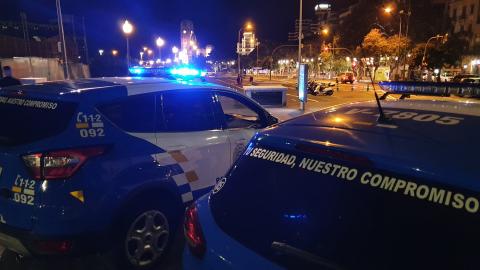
x=147, y=238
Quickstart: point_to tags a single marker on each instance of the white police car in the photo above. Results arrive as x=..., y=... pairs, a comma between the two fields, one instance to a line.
x=91, y=165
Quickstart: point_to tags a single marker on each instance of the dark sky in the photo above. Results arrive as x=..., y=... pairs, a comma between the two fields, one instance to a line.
x=216, y=21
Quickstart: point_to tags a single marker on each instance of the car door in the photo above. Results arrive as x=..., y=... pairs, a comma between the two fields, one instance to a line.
x=194, y=143
x=241, y=119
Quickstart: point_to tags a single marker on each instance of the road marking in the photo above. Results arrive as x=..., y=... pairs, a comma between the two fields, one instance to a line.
x=313, y=100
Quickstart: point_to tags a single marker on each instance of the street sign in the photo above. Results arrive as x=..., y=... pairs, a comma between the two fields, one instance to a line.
x=303, y=85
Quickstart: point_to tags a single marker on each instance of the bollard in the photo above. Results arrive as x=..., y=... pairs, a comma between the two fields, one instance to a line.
x=352, y=87
x=368, y=87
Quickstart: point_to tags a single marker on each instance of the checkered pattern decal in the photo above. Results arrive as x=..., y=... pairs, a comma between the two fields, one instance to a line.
x=184, y=174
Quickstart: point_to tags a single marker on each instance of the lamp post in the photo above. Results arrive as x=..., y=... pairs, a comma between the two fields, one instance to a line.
x=444, y=37
x=62, y=40
x=160, y=43
x=127, y=30
x=248, y=26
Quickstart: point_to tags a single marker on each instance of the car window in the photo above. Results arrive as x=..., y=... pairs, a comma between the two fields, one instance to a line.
x=187, y=111
x=132, y=114
x=237, y=114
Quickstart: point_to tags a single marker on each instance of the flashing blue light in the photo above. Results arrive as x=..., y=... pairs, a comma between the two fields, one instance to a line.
x=136, y=70
x=187, y=72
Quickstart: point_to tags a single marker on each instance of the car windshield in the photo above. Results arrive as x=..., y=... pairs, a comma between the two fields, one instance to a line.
x=124, y=127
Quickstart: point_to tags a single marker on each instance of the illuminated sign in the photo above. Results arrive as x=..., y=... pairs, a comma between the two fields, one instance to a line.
x=302, y=83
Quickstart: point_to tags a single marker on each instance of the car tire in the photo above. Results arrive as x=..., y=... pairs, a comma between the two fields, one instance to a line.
x=147, y=234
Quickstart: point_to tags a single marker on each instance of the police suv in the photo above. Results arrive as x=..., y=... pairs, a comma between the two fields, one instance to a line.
x=351, y=187
x=91, y=165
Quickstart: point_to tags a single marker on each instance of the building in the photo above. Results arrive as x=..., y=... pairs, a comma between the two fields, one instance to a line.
x=465, y=18
x=28, y=39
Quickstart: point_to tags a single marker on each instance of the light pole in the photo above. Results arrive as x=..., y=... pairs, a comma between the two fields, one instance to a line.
x=175, y=51
x=444, y=37
x=62, y=40
x=248, y=26
x=300, y=35
x=160, y=43
x=127, y=30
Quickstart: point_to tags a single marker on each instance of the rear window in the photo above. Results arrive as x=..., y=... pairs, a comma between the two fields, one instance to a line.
x=187, y=111
x=134, y=114
x=25, y=120
x=344, y=211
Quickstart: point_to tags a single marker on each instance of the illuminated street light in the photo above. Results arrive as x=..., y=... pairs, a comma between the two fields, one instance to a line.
x=325, y=31
x=101, y=51
x=127, y=30
x=114, y=52
x=388, y=10
x=175, y=50
x=160, y=43
x=145, y=49
x=248, y=26
x=150, y=52
x=141, y=55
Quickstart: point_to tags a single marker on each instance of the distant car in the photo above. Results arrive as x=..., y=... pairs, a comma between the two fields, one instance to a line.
x=458, y=78
x=340, y=189
x=109, y=164
x=347, y=77
x=471, y=80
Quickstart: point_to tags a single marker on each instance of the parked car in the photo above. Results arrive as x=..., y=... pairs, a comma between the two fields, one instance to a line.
x=458, y=78
x=347, y=77
x=109, y=164
x=471, y=80
x=341, y=189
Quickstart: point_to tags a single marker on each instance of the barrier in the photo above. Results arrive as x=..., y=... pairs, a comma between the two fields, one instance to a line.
x=268, y=95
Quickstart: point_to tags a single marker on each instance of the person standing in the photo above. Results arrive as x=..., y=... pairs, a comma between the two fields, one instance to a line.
x=8, y=79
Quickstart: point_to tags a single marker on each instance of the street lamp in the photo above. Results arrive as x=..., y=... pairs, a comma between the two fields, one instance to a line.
x=443, y=37
x=127, y=30
x=160, y=43
x=141, y=56
x=388, y=9
x=248, y=26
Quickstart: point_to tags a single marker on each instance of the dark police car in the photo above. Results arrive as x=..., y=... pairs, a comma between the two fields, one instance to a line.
x=339, y=189
x=91, y=165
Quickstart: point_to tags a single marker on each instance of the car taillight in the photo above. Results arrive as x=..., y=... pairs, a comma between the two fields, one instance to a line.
x=59, y=164
x=52, y=247
x=193, y=232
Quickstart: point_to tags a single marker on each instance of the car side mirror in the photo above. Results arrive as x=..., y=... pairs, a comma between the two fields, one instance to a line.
x=271, y=120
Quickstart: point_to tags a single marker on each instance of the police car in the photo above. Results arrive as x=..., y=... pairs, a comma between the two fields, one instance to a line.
x=344, y=188
x=90, y=165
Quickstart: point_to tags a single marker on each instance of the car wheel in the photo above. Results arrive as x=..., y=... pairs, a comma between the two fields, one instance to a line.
x=147, y=236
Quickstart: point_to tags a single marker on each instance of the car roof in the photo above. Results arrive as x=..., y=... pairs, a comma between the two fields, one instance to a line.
x=434, y=150
x=134, y=85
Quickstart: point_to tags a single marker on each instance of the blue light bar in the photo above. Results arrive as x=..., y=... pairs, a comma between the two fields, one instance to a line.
x=187, y=72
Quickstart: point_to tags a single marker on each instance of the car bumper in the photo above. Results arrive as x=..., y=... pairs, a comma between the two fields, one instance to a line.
x=27, y=244
x=223, y=252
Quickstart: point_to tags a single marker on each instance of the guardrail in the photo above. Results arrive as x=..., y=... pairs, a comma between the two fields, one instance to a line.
x=444, y=89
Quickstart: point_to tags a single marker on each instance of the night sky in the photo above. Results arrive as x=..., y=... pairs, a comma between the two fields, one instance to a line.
x=216, y=21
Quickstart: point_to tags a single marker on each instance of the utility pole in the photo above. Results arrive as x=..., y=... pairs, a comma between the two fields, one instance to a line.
x=87, y=59
x=300, y=35
x=61, y=33
x=26, y=36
